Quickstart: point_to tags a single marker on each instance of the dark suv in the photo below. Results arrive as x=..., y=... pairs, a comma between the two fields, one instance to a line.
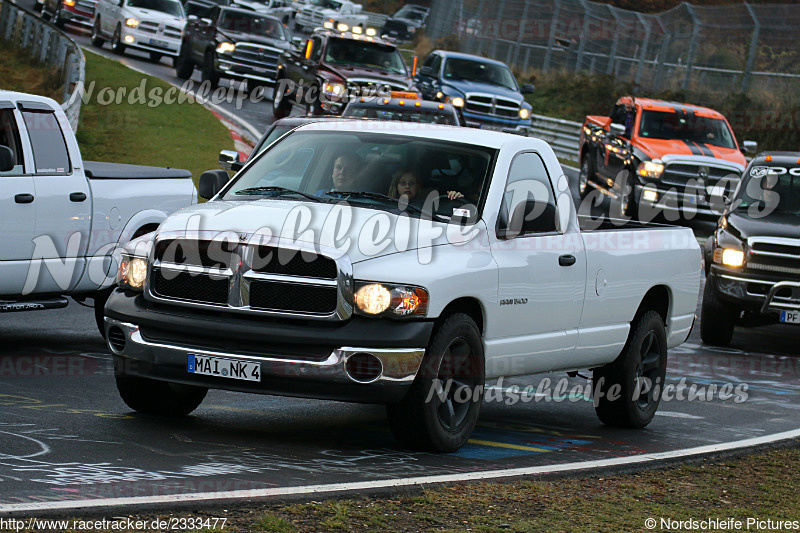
x=227, y=42
x=333, y=67
x=753, y=258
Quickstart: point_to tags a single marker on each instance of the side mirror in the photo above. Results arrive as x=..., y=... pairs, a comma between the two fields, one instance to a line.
x=229, y=160
x=528, y=88
x=616, y=129
x=211, y=182
x=6, y=159
x=297, y=42
x=750, y=147
x=426, y=71
x=531, y=216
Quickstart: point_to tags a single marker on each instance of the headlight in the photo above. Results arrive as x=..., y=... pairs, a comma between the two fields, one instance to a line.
x=342, y=27
x=131, y=23
x=132, y=272
x=729, y=257
x=650, y=169
x=372, y=32
x=226, y=48
x=524, y=113
x=439, y=95
x=335, y=89
x=376, y=299
x=456, y=101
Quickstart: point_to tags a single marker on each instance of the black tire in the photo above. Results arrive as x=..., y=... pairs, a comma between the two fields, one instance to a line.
x=627, y=204
x=183, y=63
x=717, y=320
x=116, y=41
x=58, y=21
x=434, y=416
x=97, y=39
x=155, y=57
x=209, y=72
x=313, y=107
x=585, y=176
x=281, y=101
x=99, y=305
x=634, y=400
x=154, y=397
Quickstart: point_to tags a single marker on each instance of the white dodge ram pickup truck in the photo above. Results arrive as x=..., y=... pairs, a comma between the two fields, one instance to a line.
x=316, y=12
x=306, y=276
x=62, y=218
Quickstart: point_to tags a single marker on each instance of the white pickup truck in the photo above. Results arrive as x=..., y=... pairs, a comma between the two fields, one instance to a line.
x=316, y=12
x=62, y=218
x=306, y=276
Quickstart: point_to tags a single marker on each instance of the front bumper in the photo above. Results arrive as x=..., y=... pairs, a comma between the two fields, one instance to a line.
x=756, y=293
x=297, y=358
x=228, y=67
x=72, y=15
x=486, y=122
x=688, y=204
x=161, y=44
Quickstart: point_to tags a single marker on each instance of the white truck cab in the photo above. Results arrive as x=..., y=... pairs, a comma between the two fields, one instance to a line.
x=316, y=12
x=402, y=264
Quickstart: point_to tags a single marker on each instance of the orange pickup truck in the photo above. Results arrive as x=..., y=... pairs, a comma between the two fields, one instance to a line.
x=663, y=156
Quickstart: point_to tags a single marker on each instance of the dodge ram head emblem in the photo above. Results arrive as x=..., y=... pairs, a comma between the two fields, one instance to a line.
x=702, y=173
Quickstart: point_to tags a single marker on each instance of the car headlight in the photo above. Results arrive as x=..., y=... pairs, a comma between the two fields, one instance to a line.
x=335, y=89
x=226, y=48
x=455, y=101
x=132, y=272
x=650, y=169
x=386, y=299
x=371, y=32
x=728, y=250
x=524, y=113
x=131, y=23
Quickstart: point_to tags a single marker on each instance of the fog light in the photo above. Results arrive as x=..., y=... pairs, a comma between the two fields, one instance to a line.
x=128, y=39
x=649, y=195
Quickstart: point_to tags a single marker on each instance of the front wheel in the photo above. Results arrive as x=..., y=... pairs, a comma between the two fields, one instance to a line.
x=97, y=39
x=154, y=397
x=717, y=320
x=155, y=57
x=183, y=63
x=584, y=176
x=209, y=72
x=281, y=100
x=627, y=391
x=99, y=306
x=442, y=406
x=116, y=41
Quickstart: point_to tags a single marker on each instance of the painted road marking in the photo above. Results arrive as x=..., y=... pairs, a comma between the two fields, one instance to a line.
x=333, y=488
x=673, y=414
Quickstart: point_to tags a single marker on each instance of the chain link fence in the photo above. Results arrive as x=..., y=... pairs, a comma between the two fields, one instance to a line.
x=48, y=46
x=743, y=48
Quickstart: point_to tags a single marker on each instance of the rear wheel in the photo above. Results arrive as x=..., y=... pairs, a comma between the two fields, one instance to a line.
x=628, y=390
x=97, y=40
x=154, y=397
x=116, y=41
x=183, y=63
x=442, y=406
x=209, y=72
x=717, y=320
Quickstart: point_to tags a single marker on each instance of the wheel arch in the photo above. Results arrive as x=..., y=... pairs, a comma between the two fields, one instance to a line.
x=658, y=299
x=467, y=305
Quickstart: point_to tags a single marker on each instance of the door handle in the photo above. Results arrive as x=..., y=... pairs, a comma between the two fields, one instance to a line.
x=23, y=198
x=77, y=197
x=567, y=260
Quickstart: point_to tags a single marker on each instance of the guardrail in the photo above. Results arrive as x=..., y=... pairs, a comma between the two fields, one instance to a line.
x=49, y=46
x=376, y=20
x=563, y=135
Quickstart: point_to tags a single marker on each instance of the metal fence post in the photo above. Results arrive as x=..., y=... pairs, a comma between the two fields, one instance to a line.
x=645, y=44
x=523, y=21
x=498, y=22
x=478, y=43
x=692, y=45
x=583, y=37
x=751, y=54
x=662, y=59
x=612, y=57
x=552, y=37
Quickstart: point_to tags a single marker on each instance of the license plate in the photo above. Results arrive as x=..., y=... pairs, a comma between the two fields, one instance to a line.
x=224, y=368
x=156, y=42
x=790, y=317
x=491, y=127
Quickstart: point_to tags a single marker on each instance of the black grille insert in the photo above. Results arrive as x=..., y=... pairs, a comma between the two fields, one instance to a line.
x=191, y=287
x=292, y=297
x=287, y=262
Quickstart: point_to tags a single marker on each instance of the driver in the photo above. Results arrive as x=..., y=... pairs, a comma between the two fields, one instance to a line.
x=345, y=173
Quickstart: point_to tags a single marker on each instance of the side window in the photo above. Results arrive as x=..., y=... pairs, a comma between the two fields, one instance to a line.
x=9, y=136
x=529, y=204
x=436, y=64
x=49, y=147
x=316, y=49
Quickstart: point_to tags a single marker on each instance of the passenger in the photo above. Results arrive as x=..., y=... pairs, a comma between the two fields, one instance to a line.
x=406, y=183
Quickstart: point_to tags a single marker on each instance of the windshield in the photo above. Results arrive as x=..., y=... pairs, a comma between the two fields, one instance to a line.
x=325, y=4
x=253, y=24
x=379, y=171
x=469, y=70
x=171, y=7
x=411, y=114
x=365, y=54
x=771, y=188
x=686, y=127
x=410, y=13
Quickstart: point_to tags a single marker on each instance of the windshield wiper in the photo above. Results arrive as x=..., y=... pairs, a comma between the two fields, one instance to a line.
x=280, y=192
x=392, y=202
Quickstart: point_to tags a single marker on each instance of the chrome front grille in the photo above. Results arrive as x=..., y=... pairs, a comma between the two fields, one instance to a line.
x=486, y=104
x=156, y=28
x=86, y=6
x=251, y=278
x=367, y=87
x=679, y=174
x=774, y=255
x=257, y=56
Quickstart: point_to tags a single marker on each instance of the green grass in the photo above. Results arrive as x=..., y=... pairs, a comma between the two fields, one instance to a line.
x=22, y=75
x=178, y=135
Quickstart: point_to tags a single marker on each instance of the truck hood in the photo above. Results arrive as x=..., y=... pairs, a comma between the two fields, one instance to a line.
x=312, y=224
x=156, y=16
x=465, y=86
x=657, y=148
x=352, y=72
x=243, y=37
x=776, y=224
